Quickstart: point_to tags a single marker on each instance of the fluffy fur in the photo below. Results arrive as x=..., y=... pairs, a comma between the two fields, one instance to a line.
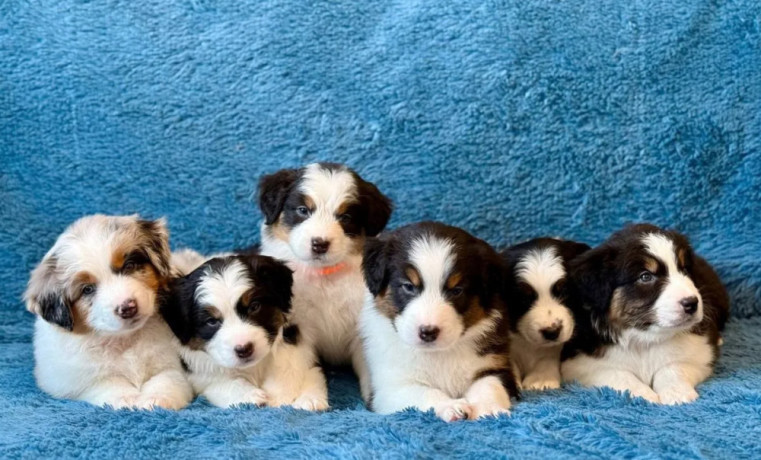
x=230, y=316
x=541, y=300
x=97, y=336
x=316, y=220
x=651, y=317
x=433, y=325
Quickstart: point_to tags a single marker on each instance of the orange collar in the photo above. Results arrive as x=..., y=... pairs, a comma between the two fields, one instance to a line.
x=327, y=271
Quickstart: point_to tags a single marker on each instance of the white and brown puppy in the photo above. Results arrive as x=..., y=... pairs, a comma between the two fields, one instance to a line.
x=97, y=336
x=651, y=317
x=434, y=325
x=316, y=219
x=230, y=316
x=541, y=301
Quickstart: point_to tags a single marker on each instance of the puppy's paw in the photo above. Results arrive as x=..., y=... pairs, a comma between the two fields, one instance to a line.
x=646, y=394
x=311, y=403
x=677, y=395
x=539, y=382
x=490, y=409
x=125, y=401
x=150, y=402
x=255, y=396
x=454, y=410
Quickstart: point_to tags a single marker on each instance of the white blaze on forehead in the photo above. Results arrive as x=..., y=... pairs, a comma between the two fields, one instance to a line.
x=88, y=244
x=434, y=259
x=540, y=268
x=329, y=189
x=223, y=289
x=663, y=249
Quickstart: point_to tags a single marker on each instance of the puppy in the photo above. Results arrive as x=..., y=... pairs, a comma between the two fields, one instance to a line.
x=316, y=219
x=434, y=327
x=97, y=337
x=230, y=316
x=540, y=305
x=653, y=311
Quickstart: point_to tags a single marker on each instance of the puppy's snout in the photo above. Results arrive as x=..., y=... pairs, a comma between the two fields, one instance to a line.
x=428, y=333
x=128, y=309
x=244, y=351
x=551, y=333
x=690, y=304
x=320, y=245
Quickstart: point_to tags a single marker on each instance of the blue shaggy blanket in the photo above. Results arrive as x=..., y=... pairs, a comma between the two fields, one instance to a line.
x=509, y=118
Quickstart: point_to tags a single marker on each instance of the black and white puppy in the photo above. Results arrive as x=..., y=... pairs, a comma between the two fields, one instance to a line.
x=541, y=301
x=653, y=312
x=98, y=337
x=230, y=316
x=434, y=325
x=316, y=219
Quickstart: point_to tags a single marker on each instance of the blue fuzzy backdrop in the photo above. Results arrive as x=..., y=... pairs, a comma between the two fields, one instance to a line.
x=508, y=118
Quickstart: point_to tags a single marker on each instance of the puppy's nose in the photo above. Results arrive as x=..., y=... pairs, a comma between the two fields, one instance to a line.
x=690, y=304
x=320, y=245
x=428, y=333
x=551, y=333
x=244, y=351
x=128, y=309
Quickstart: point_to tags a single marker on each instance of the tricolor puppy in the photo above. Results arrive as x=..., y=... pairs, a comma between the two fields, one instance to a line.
x=433, y=326
x=540, y=304
x=230, y=316
x=316, y=219
x=653, y=311
x=97, y=335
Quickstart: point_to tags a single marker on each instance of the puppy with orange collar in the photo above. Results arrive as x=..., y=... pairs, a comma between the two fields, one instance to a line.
x=316, y=219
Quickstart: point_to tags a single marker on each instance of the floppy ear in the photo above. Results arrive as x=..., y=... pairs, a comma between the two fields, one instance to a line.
x=273, y=191
x=375, y=264
x=155, y=239
x=593, y=277
x=276, y=276
x=45, y=295
x=569, y=250
x=377, y=207
x=176, y=308
x=493, y=272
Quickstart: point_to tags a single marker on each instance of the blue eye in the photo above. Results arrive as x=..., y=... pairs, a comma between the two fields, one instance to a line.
x=408, y=287
x=88, y=289
x=302, y=211
x=646, y=277
x=212, y=322
x=456, y=291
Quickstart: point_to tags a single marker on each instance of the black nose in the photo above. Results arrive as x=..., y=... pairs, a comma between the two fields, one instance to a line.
x=690, y=304
x=320, y=246
x=428, y=333
x=244, y=351
x=128, y=309
x=551, y=333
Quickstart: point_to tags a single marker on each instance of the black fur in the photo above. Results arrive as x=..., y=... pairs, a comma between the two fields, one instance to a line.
x=273, y=191
x=56, y=308
x=156, y=244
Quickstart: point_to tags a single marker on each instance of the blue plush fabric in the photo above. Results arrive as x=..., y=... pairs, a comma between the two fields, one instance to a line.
x=509, y=118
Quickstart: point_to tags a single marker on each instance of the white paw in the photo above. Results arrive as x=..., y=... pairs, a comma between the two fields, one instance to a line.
x=454, y=410
x=150, y=402
x=648, y=395
x=672, y=396
x=311, y=403
x=127, y=401
x=538, y=382
x=256, y=396
x=490, y=409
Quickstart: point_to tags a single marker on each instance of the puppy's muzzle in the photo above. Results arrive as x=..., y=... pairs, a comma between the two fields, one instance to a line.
x=127, y=310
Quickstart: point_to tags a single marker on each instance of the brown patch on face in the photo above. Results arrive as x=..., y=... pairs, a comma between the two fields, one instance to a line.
x=309, y=202
x=616, y=307
x=357, y=245
x=117, y=257
x=245, y=299
x=79, y=313
x=148, y=276
x=413, y=276
x=680, y=255
x=625, y=313
x=651, y=265
x=453, y=280
x=196, y=343
x=474, y=314
x=279, y=230
x=344, y=207
x=385, y=305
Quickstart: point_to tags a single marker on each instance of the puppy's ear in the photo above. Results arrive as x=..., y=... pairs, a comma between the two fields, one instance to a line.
x=46, y=296
x=273, y=191
x=176, y=308
x=493, y=273
x=593, y=275
x=155, y=241
x=569, y=250
x=375, y=262
x=377, y=207
x=275, y=276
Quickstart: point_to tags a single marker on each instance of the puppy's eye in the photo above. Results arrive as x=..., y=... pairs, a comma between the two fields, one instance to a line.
x=88, y=289
x=456, y=291
x=212, y=322
x=302, y=211
x=253, y=307
x=646, y=277
x=344, y=218
x=129, y=267
x=408, y=287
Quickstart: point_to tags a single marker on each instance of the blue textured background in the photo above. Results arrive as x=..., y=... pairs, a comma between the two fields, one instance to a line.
x=510, y=118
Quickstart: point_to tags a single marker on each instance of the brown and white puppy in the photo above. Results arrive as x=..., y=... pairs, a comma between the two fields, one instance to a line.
x=434, y=325
x=230, y=314
x=541, y=301
x=97, y=335
x=651, y=318
x=316, y=219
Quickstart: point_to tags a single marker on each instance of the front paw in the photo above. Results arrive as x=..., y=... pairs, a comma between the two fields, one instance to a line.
x=454, y=410
x=126, y=401
x=256, y=396
x=490, y=409
x=311, y=403
x=648, y=395
x=677, y=395
x=539, y=382
x=150, y=402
